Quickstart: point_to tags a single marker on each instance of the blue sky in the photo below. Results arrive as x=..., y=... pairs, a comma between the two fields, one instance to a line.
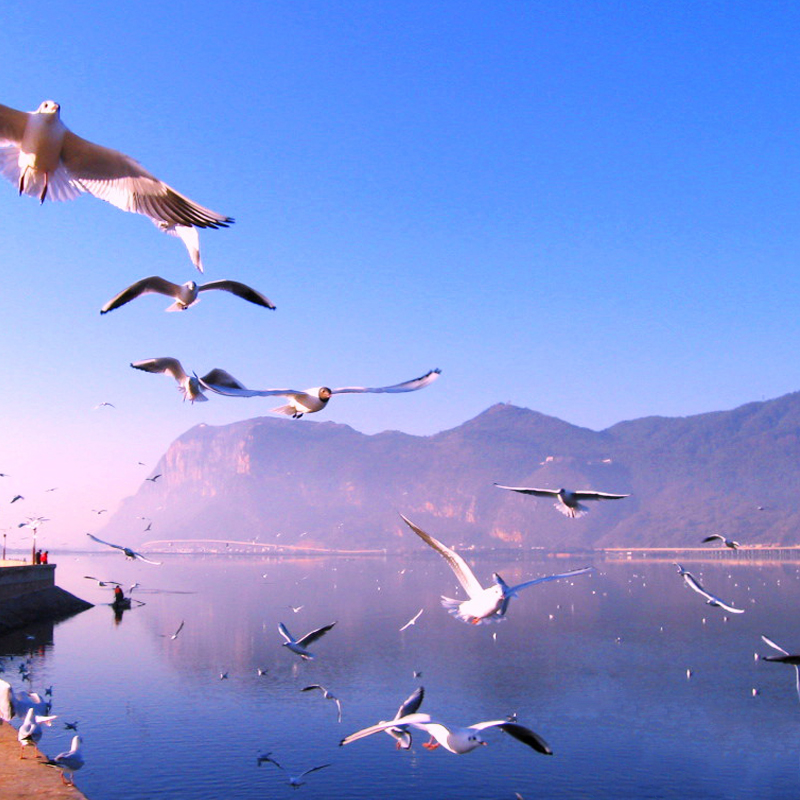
x=588, y=209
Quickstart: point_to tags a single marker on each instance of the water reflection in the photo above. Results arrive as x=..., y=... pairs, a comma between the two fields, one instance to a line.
x=597, y=665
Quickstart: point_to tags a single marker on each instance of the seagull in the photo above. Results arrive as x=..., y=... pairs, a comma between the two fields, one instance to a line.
x=17, y=497
x=70, y=761
x=185, y=295
x=268, y=758
x=784, y=658
x=567, y=502
x=299, y=645
x=457, y=740
x=190, y=386
x=223, y=676
x=99, y=511
x=297, y=780
x=30, y=732
x=410, y=705
x=131, y=555
x=693, y=583
x=71, y=726
x=154, y=478
x=327, y=695
x=45, y=159
x=727, y=542
x=103, y=405
x=311, y=400
x=173, y=635
x=413, y=620
x=102, y=583
x=296, y=609
x=484, y=605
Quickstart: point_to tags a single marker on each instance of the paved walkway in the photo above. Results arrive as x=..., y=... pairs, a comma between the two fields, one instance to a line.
x=27, y=779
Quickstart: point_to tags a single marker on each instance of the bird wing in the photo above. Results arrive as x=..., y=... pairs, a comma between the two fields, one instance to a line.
x=411, y=719
x=714, y=536
x=100, y=541
x=598, y=496
x=773, y=645
x=240, y=290
x=313, y=769
x=693, y=583
x=180, y=627
x=232, y=388
x=408, y=386
x=282, y=629
x=166, y=364
x=144, y=286
x=314, y=686
x=525, y=490
x=526, y=584
x=220, y=378
x=144, y=558
x=312, y=636
x=464, y=574
x=120, y=180
x=12, y=125
x=412, y=703
x=519, y=732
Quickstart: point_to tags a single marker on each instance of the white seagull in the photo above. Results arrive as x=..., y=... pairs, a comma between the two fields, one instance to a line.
x=484, y=605
x=784, y=658
x=69, y=761
x=727, y=542
x=131, y=555
x=43, y=158
x=712, y=600
x=567, y=502
x=457, y=740
x=327, y=695
x=185, y=295
x=299, y=646
x=17, y=704
x=311, y=400
x=190, y=386
x=30, y=732
x=172, y=635
x=413, y=620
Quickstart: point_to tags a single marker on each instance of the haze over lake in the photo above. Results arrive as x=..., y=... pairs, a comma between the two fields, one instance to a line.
x=597, y=665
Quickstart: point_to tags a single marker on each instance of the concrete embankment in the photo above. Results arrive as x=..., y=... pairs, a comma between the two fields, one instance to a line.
x=28, y=594
x=28, y=778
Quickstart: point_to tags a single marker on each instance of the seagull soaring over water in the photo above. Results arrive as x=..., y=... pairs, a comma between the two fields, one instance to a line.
x=131, y=555
x=299, y=646
x=484, y=605
x=43, y=158
x=327, y=695
x=185, y=295
x=568, y=502
x=457, y=740
x=711, y=599
x=727, y=542
x=311, y=400
x=190, y=386
x=784, y=658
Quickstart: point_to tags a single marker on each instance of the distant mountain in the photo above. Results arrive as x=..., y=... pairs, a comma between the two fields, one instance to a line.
x=324, y=484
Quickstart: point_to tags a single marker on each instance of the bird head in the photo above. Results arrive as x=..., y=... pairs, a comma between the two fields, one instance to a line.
x=49, y=107
x=324, y=393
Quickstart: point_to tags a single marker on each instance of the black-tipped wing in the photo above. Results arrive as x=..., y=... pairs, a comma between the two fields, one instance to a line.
x=519, y=732
x=120, y=180
x=312, y=637
x=240, y=290
x=144, y=286
x=220, y=379
x=408, y=386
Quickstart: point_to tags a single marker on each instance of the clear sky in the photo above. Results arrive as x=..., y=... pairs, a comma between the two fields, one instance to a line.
x=590, y=209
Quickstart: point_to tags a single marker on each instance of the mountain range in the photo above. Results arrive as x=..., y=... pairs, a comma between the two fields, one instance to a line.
x=322, y=484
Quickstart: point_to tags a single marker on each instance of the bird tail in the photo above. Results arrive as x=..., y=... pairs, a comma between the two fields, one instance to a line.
x=580, y=510
x=176, y=306
x=289, y=411
x=454, y=607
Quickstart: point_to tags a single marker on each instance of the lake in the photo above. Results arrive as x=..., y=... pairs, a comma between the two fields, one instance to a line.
x=597, y=665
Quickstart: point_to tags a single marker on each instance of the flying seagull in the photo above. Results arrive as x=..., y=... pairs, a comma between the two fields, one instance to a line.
x=30, y=732
x=43, y=158
x=17, y=497
x=297, y=780
x=727, y=542
x=694, y=584
x=191, y=387
x=185, y=295
x=413, y=620
x=70, y=761
x=299, y=645
x=173, y=635
x=567, y=502
x=457, y=740
x=484, y=605
x=131, y=555
x=102, y=583
x=104, y=404
x=267, y=757
x=784, y=658
x=154, y=478
x=311, y=400
x=327, y=695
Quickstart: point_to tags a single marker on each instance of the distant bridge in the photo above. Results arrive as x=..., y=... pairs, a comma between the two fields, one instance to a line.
x=157, y=544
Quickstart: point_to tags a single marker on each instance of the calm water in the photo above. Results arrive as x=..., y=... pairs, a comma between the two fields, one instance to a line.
x=596, y=665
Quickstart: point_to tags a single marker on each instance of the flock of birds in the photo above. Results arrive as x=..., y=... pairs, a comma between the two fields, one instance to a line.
x=45, y=160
